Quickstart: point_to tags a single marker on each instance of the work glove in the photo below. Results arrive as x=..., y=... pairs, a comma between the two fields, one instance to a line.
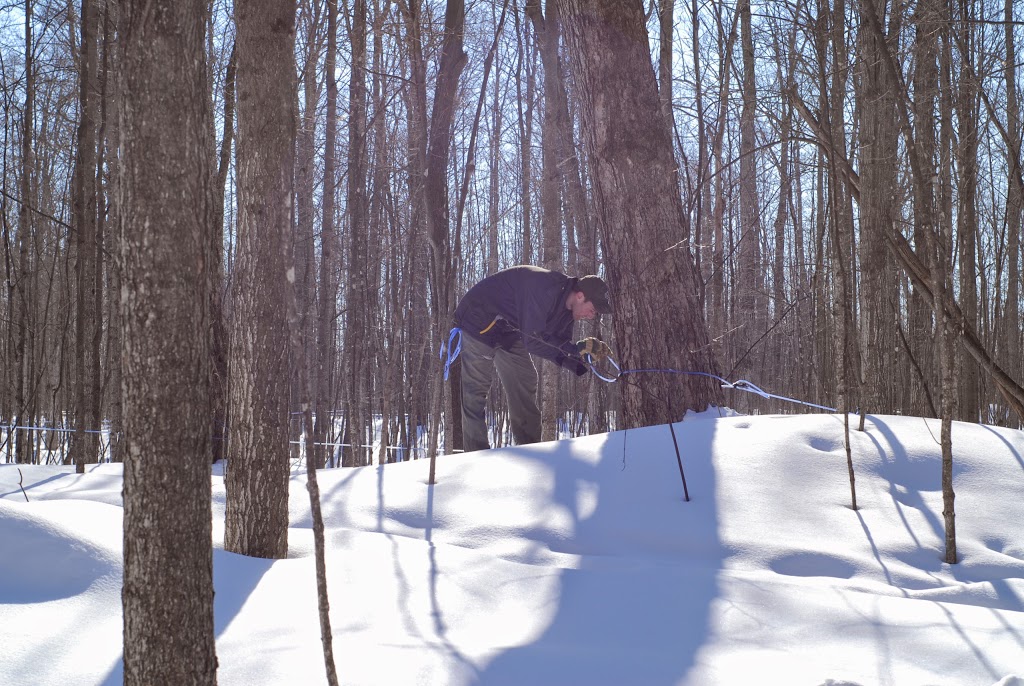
x=595, y=347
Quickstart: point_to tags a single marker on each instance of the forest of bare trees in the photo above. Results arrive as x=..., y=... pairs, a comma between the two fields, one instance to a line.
x=824, y=199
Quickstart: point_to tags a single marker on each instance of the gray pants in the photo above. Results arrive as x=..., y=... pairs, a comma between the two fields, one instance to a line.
x=518, y=376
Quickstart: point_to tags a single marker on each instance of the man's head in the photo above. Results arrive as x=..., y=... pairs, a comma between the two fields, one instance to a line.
x=589, y=298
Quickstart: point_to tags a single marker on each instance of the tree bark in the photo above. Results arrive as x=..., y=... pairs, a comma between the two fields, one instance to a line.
x=878, y=166
x=218, y=320
x=941, y=256
x=548, y=34
x=750, y=301
x=1011, y=333
x=85, y=445
x=658, y=320
x=304, y=238
x=358, y=290
x=21, y=295
x=256, y=520
x=326, y=342
x=165, y=308
x=420, y=330
x=453, y=60
x=968, y=113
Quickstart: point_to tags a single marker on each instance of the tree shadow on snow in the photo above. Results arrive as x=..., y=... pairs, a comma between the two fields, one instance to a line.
x=637, y=608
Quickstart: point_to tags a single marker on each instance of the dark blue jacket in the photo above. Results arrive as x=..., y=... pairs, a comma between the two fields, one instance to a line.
x=523, y=303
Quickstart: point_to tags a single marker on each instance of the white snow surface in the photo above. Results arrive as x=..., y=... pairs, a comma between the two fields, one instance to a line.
x=577, y=562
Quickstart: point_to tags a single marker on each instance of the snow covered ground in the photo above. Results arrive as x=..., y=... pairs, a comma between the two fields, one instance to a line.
x=578, y=562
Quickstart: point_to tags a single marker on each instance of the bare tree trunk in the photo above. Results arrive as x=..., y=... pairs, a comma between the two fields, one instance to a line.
x=168, y=547
x=21, y=295
x=219, y=346
x=780, y=277
x=420, y=395
x=85, y=446
x=305, y=260
x=525, y=108
x=112, y=143
x=550, y=188
x=720, y=311
x=256, y=521
x=357, y=292
x=968, y=114
x=1011, y=333
x=941, y=282
x=384, y=314
x=326, y=342
x=453, y=60
x=639, y=211
x=878, y=166
x=922, y=333
x=493, y=159
x=750, y=309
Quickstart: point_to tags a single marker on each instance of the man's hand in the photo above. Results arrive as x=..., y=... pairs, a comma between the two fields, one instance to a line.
x=595, y=347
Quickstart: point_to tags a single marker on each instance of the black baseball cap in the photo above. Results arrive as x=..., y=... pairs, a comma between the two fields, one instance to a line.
x=596, y=291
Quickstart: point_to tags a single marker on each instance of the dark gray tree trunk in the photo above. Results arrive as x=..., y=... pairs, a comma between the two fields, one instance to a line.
x=358, y=292
x=640, y=217
x=941, y=257
x=218, y=318
x=968, y=113
x=1011, y=332
x=21, y=295
x=256, y=521
x=88, y=270
x=453, y=60
x=165, y=307
x=878, y=165
x=750, y=300
x=305, y=166
x=112, y=144
x=548, y=36
x=525, y=110
x=326, y=342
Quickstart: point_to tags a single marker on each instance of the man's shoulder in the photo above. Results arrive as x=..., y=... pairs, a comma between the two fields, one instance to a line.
x=535, y=276
x=525, y=271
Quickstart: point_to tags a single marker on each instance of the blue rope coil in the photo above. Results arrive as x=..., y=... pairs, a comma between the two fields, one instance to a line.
x=453, y=351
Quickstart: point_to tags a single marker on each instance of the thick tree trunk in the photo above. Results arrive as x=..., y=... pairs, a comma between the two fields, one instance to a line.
x=923, y=335
x=878, y=164
x=658, y=320
x=165, y=307
x=256, y=520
